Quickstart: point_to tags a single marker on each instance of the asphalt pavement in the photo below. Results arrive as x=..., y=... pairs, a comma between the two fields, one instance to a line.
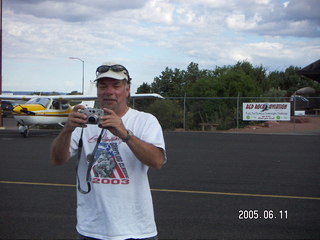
x=214, y=186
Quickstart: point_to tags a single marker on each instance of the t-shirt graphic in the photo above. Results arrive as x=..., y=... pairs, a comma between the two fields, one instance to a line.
x=108, y=162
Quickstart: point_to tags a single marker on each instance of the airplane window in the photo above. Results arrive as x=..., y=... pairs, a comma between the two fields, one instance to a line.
x=56, y=105
x=96, y=104
x=42, y=101
x=65, y=106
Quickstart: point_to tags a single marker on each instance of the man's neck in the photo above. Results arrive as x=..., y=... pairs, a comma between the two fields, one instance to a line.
x=123, y=111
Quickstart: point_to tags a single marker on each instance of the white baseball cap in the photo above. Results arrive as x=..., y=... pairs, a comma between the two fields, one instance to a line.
x=112, y=70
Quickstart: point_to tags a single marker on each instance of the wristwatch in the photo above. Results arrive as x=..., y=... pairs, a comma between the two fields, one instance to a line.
x=130, y=134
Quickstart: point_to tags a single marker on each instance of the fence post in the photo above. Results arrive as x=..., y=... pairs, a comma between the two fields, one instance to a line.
x=294, y=113
x=238, y=99
x=184, y=111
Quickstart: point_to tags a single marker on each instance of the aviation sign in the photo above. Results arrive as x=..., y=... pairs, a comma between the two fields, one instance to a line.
x=275, y=111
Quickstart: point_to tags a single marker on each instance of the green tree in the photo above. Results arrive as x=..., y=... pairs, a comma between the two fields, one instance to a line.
x=258, y=74
x=166, y=84
x=242, y=79
x=144, y=88
x=168, y=112
x=175, y=83
x=74, y=93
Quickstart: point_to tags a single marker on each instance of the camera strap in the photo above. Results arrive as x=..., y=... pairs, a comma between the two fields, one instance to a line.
x=91, y=161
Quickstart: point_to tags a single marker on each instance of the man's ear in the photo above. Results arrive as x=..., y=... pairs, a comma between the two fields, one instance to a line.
x=128, y=90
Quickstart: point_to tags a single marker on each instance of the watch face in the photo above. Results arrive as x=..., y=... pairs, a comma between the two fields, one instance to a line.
x=130, y=134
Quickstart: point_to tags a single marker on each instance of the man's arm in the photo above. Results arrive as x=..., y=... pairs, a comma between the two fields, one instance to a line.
x=145, y=152
x=60, y=148
x=61, y=144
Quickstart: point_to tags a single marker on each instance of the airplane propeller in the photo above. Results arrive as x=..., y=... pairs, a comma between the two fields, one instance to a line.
x=27, y=112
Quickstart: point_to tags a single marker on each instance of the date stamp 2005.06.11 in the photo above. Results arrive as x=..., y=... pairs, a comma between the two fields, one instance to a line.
x=266, y=214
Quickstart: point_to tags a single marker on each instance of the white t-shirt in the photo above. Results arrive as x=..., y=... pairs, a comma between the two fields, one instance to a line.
x=119, y=205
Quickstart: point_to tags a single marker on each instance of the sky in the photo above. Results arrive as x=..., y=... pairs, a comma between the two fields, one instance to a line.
x=146, y=36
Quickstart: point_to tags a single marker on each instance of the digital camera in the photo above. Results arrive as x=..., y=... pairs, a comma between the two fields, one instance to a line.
x=93, y=115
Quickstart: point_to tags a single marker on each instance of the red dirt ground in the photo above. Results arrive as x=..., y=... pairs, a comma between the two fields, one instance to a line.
x=306, y=124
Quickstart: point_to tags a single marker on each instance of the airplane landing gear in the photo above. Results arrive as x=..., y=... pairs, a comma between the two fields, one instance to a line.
x=24, y=131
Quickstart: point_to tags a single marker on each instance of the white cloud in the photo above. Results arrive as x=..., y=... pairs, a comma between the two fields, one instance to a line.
x=159, y=11
x=148, y=35
x=238, y=21
x=73, y=10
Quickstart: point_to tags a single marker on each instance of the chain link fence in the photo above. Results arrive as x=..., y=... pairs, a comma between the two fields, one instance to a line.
x=221, y=113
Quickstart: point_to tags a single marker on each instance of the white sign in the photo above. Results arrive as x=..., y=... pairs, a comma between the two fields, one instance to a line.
x=277, y=111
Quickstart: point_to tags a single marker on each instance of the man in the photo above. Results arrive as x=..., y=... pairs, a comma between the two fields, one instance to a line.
x=115, y=202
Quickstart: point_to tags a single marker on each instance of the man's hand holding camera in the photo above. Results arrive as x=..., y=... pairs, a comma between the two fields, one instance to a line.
x=113, y=123
x=76, y=118
x=106, y=118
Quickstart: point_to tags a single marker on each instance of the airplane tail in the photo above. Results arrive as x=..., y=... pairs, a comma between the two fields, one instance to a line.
x=90, y=90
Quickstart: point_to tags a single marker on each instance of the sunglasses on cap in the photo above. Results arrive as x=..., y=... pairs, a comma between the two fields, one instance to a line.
x=114, y=68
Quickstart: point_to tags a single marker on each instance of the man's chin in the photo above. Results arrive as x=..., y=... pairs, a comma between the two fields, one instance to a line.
x=111, y=106
x=108, y=107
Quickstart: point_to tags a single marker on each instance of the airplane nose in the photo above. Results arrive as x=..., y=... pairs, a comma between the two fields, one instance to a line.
x=21, y=109
x=17, y=109
x=28, y=109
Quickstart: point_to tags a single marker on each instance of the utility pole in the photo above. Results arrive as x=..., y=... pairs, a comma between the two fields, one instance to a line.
x=1, y=116
x=82, y=71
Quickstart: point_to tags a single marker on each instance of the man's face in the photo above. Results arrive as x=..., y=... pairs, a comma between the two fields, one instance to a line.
x=113, y=94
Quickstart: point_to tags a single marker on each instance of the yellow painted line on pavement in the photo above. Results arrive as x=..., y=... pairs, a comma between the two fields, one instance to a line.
x=39, y=184
x=176, y=191
x=235, y=194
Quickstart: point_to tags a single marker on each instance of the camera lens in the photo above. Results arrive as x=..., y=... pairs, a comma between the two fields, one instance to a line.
x=93, y=120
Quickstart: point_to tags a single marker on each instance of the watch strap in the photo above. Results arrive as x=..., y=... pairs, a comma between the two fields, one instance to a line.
x=130, y=134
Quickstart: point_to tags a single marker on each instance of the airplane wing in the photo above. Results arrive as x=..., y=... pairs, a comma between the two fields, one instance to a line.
x=56, y=97
x=146, y=95
x=17, y=97
x=74, y=97
x=94, y=97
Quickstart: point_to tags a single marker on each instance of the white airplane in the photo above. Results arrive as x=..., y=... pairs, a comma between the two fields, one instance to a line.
x=52, y=110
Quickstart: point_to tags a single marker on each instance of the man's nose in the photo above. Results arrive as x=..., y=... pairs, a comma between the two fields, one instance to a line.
x=109, y=90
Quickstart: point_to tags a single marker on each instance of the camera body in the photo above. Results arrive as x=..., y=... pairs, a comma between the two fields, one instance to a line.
x=93, y=115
